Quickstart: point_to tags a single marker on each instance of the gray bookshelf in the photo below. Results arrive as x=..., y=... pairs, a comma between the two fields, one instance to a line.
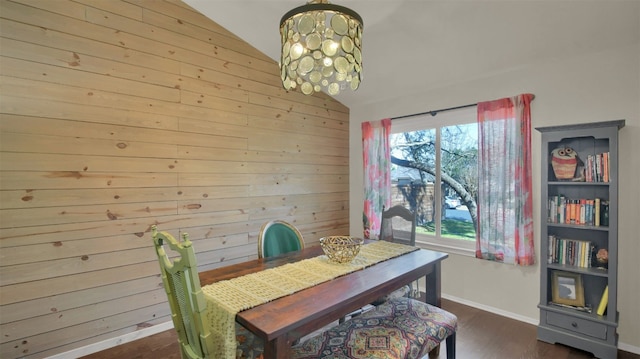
x=570, y=239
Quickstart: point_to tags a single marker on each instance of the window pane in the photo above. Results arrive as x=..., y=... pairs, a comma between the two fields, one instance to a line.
x=459, y=178
x=412, y=187
x=434, y=173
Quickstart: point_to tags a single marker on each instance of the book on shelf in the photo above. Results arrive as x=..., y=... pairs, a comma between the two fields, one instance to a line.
x=604, y=213
x=586, y=309
x=606, y=167
x=596, y=168
x=573, y=252
x=602, y=307
x=583, y=211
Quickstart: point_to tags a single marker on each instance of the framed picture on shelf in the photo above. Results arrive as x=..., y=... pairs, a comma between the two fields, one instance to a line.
x=566, y=288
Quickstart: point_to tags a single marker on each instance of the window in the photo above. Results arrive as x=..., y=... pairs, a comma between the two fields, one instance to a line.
x=434, y=172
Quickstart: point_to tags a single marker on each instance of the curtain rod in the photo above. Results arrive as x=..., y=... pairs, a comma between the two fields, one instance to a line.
x=435, y=112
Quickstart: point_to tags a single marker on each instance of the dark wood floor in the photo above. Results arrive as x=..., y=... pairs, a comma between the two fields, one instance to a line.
x=481, y=335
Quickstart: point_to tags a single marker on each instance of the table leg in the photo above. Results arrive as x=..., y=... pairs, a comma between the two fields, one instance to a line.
x=433, y=297
x=433, y=286
x=277, y=348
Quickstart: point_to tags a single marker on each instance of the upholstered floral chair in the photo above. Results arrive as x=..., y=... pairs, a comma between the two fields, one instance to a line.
x=399, y=328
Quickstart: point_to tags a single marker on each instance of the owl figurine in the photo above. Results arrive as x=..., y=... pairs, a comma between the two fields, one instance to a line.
x=566, y=164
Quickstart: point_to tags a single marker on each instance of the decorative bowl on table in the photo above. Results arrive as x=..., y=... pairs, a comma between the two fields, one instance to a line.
x=341, y=249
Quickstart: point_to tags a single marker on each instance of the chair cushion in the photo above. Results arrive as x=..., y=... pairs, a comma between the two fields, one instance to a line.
x=400, y=328
x=249, y=346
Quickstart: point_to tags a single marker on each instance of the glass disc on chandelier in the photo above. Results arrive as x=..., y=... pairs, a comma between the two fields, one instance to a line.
x=321, y=48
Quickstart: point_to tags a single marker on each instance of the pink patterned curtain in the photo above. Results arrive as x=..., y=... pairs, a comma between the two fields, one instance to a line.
x=505, y=203
x=377, y=174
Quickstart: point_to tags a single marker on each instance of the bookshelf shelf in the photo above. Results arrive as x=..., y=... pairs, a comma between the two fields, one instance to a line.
x=561, y=183
x=569, y=268
x=579, y=223
x=579, y=226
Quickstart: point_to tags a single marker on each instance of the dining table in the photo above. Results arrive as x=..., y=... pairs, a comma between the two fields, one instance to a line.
x=284, y=320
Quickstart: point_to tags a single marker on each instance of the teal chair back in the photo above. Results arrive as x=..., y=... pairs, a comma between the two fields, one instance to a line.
x=278, y=237
x=187, y=302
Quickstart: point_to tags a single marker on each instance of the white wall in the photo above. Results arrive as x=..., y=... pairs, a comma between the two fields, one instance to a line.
x=587, y=88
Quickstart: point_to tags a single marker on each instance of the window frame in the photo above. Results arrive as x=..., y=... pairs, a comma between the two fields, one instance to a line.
x=437, y=122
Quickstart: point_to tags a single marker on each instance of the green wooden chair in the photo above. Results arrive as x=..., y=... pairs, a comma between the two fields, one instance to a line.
x=278, y=237
x=187, y=302
x=182, y=285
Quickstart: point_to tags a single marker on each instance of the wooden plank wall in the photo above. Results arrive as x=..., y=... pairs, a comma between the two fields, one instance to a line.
x=116, y=115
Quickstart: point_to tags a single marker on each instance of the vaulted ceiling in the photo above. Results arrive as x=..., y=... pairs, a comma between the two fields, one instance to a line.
x=417, y=45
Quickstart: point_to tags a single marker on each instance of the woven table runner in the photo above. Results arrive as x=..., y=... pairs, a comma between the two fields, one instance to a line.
x=226, y=298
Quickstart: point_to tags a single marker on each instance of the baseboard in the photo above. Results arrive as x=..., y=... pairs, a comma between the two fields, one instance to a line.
x=110, y=343
x=494, y=310
x=629, y=348
x=533, y=321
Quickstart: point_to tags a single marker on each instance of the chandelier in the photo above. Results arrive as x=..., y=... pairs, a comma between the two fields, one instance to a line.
x=321, y=48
